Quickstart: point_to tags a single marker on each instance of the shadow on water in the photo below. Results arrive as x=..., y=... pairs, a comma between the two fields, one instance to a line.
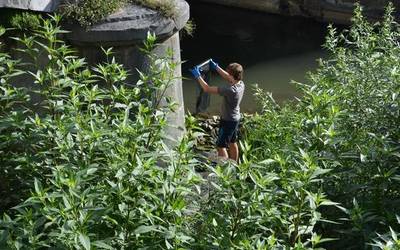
x=273, y=49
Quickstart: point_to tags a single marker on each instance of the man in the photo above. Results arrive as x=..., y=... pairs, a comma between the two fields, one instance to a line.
x=230, y=107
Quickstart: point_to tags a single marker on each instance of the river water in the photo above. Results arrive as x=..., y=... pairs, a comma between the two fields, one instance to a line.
x=273, y=49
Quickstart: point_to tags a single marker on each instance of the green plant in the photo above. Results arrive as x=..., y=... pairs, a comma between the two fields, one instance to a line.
x=167, y=8
x=88, y=159
x=190, y=27
x=25, y=21
x=389, y=241
x=84, y=163
x=347, y=122
x=89, y=12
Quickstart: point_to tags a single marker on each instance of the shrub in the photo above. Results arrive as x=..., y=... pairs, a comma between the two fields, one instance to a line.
x=88, y=159
x=87, y=166
x=25, y=21
x=84, y=164
x=347, y=122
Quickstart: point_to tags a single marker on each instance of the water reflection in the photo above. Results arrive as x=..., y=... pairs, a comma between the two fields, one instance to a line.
x=273, y=49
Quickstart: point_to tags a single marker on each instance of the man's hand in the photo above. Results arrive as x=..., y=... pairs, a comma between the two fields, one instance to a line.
x=213, y=65
x=195, y=72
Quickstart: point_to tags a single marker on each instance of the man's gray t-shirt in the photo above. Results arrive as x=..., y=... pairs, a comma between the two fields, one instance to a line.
x=233, y=94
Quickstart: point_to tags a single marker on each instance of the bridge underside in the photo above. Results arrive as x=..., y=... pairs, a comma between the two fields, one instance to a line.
x=336, y=11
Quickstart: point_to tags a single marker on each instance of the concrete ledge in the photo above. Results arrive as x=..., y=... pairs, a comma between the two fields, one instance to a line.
x=35, y=5
x=131, y=24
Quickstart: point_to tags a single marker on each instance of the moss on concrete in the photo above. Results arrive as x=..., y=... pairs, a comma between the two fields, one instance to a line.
x=88, y=12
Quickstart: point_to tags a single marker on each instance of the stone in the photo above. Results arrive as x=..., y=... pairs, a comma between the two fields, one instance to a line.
x=35, y=5
x=131, y=24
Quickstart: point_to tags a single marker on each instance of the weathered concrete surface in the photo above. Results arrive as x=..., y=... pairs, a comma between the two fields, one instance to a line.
x=130, y=24
x=35, y=5
x=337, y=11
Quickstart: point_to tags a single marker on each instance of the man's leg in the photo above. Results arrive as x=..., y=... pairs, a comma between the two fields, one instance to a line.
x=222, y=152
x=234, y=151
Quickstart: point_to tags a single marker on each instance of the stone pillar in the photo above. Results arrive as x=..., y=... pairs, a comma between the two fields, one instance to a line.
x=126, y=31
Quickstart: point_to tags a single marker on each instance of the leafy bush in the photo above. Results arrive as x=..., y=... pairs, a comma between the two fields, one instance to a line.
x=84, y=164
x=389, y=241
x=88, y=159
x=25, y=21
x=250, y=206
x=347, y=122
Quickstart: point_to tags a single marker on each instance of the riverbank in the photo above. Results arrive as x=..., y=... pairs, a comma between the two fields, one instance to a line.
x=209, y=125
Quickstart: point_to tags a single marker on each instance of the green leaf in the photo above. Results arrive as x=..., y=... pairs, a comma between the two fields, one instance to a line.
x=85, y=241
x=214, y=222
x=393, y=234
x=267, y=162
x=101, y=244
x=144, y=229
x=318, y=172
x=91, y=171
x=2, y=30
x=38, y=187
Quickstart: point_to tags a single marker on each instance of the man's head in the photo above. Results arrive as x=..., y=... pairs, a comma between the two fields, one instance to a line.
x=236, y=71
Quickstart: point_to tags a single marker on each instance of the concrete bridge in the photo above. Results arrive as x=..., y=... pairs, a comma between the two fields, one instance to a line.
x=336, y=11
x=125, y=31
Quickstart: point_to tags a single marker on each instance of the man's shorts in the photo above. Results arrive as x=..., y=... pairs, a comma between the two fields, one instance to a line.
x=228, y=133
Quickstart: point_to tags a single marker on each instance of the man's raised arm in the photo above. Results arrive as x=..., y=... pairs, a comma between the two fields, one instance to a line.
x=220, y=71
x=204, y=85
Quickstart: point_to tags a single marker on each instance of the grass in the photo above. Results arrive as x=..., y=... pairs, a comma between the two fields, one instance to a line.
x=89, y=12
x=166, y=7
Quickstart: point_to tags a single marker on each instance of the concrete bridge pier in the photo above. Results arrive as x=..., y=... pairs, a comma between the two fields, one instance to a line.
x=125, y=31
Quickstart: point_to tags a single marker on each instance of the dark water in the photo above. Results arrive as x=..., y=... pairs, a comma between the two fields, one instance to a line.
x=273, y=49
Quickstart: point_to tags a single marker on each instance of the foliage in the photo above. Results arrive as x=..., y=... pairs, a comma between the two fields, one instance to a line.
x=389, y=241
x=347, y=122
x=89, y=12
x=167, y=8
x=82, y=155
x=84, y=163
x=190, y=27
x=25, y=21
x=250, y=206
x=18, y=22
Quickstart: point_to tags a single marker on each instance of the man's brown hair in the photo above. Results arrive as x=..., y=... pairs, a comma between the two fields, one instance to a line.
x=235, y=70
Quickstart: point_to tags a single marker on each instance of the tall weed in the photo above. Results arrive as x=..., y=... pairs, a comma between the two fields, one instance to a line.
x=87, y=162
x=347, y=123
